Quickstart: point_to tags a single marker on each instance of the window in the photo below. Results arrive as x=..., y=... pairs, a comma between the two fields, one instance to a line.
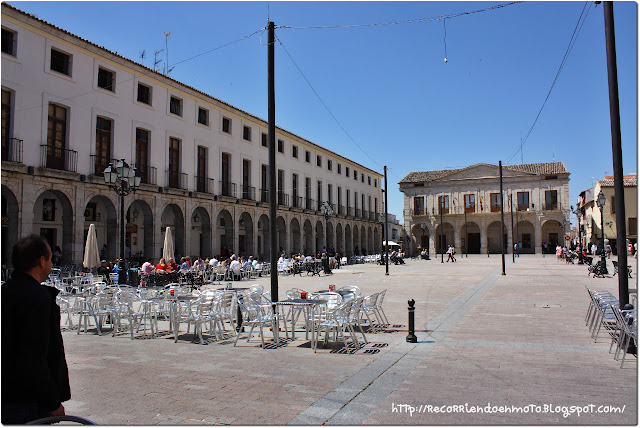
x=264, y=196
x=6, y=123
x=418, y=205
x=225, y=175
x=203, y=116
x=294, y=151
x=551, y=199
x=523, y=201
x=48, y=210
x=144, y=94
x=319, y=160
x=633, y=226
x=246, y=133
x=60, y=62
x=319, y=193
x=8, y=42
x=226, y=125
x=106, y=79
x=339, y=169
x=103, y=144
x=329, y=165
x=355, y=175
x=175, y=106
x=56, y=137
x=330, y=193
x=294, y=191
x=613, y=205
x=369, y=180
x=246, y=179
x=307, y=156
x=346, y=171
x=362, y=177
x=443, y=204
x=174, y=163
x=469, y=203
x=280, y=146
x=496, y=203
x=375, y=182
x=264, y=140
x=201, y=170
x=142, y=155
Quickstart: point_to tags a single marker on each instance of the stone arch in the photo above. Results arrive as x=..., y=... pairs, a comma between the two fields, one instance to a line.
x=308, y=238
x=445, y=236
x=295, y=235
x=173, y=217
x=145, y=235
x=200, y=234
x=370, y=242
x=10, y=223
x=420, y=238
x=348, y=241
x=356, y=241
x=101, y=211
x=493, y=238
x=525, y=234
x=552, y=233
x=363, y=240
x=377, y=240
x=245, y=235
x=320, y=237
x=223, y=230
x=339, y=239
x=471, y=235
x=330, y=233
x=264, y=238
x=54, y=222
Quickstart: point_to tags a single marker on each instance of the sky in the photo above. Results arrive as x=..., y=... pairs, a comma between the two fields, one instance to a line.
x=383, y=95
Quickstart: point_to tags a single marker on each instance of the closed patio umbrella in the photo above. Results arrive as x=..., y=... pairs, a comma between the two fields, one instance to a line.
x=167, y=249
x=91, y=254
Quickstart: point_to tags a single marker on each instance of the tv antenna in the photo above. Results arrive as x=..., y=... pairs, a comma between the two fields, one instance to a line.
x=156, y=61
x=167, y=35
x=143, y=54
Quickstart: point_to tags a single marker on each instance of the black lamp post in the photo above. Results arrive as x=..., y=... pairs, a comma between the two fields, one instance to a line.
x=441, y=230
x=600, y=202
x=423, y=225
x=123, y=180
x=326, y=211
x=381, y=221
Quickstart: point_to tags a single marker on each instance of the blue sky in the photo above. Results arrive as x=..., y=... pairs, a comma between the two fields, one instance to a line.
x=388, y=86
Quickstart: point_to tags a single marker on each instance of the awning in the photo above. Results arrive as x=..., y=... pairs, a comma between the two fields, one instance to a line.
x=391, y=243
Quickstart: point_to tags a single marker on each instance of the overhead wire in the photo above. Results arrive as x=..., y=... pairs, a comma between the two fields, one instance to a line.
x=572, y=41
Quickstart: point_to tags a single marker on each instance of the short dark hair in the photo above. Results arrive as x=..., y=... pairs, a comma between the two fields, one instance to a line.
x=27, y=251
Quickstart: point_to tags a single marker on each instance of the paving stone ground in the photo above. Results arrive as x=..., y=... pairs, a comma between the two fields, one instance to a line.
x=484, y=339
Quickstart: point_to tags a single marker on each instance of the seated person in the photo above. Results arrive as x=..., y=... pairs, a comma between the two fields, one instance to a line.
x=198, y=263
x=172, y=266
x=213, y=262
x=103, y=269
x=147, y=267
x=235, y=267
x=162, y=265
x=186, y=263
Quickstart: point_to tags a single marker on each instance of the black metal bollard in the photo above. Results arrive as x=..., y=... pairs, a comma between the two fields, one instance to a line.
x=411, y=337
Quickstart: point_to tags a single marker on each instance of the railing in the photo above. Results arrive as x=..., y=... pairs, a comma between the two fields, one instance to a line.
x=365, y=214
x=470, y=209
x=341, y=209
x=550, y=207
x=418, y=211
x=249, y=193
x=372, y=215
x=204, y=184
x=350, y=211
x=264, y=195
x=227, y=189
x=309, y=204
x=176, y=180
x=12, y=150
x=282, y=199
x=523, y=207
x=358, y=212
x=58, y=158
x=297, y=201
x=99, y=163
x=147, y=174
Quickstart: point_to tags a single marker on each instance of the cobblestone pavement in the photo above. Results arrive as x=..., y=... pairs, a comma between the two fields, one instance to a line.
x=483, y=340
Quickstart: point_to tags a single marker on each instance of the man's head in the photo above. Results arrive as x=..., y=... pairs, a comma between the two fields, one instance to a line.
x=32, y=255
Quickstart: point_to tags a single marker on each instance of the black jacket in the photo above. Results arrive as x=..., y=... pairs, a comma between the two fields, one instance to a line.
x=34, y=368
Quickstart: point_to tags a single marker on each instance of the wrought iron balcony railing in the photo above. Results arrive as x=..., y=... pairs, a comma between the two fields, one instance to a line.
x=176, y=180
x=12, y=150
x=58, y=158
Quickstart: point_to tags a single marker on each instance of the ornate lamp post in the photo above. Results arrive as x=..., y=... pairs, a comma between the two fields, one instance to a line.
x=326, y=211
x=123, y=180
x=423, y=225
x=600, y=202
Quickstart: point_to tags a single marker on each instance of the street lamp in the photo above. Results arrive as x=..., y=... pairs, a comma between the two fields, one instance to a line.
x=600, y=202
x=123, y=180
x=382, y=220
x=577, y=212
x=327, y=212
x=423, y=225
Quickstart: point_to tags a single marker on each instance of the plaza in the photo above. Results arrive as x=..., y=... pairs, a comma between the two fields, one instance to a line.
x=484, y=339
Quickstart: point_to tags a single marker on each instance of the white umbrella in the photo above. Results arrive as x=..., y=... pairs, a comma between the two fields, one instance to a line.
x=91, y=255
x=167, y=249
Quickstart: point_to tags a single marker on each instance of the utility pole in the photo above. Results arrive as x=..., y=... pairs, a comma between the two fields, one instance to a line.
x=514, y=240
x=386, y=216
x=616, y=143
x=271, y=177
x=501, y=219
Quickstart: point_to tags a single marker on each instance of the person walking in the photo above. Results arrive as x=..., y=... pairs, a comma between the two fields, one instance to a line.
x=35, y=377
x=450, y=253
x=515, y=249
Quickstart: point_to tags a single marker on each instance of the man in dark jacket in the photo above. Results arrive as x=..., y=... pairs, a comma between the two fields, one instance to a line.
x=35, y=378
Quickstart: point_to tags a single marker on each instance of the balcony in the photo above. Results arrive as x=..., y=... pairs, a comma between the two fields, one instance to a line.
x=372, y=215
x=204, y=184
x=341, y=209
x=523, y=207
x=350, y=211
x=227, y=189
x=309, y=204
x=264, y=195
x=248, y=193
x=358, y=212
x=550, y=207
x=470, y=209
x=176, y=180
x=98, y=164
x=282, y=199
x=12, y=150
x=58, y=158
x=297, y=201
x=147, y=174
x=418, y=211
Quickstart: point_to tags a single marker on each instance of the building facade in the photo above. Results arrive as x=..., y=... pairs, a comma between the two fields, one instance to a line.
x=462, y=207
x=593, y=219
x=70, y=108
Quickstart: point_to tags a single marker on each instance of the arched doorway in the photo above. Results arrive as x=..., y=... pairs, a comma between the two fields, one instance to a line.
x=294, y=232
x=264, y=240
x=173, y=218
x=471, y=236
x=348, y=242
x=10, y=224
x=224, y=232
x=101, y=212
x=493, y=238
x=524, y=232
x=553, y=234
x=53, y=220
x=331, y=246
x=445, y=236
x=245, y=235
x=421, y=238
x=356, y=241
x=281, y=236
x=320, y=237
x=339, y=240
x=200, y=234
x=308, y=239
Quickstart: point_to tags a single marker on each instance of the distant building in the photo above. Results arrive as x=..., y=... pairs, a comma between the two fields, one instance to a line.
x=591, y=220
x=539, y=194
